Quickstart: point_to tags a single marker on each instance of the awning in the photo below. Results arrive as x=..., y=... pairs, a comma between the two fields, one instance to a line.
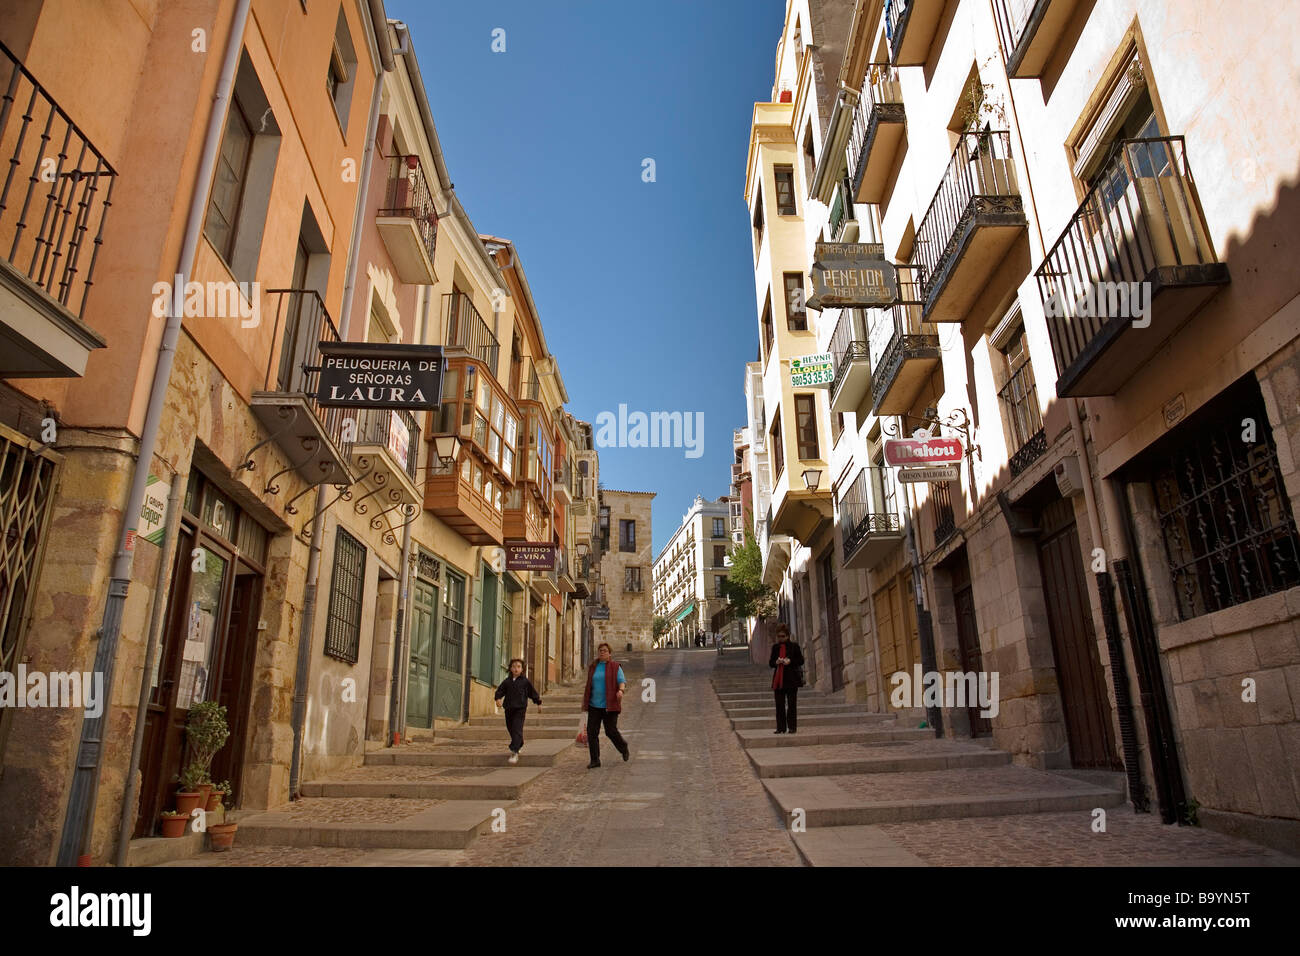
x=685, y=611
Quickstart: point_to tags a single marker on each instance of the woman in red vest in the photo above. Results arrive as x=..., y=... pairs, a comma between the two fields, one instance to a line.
x=786, y=661
x=605, y=677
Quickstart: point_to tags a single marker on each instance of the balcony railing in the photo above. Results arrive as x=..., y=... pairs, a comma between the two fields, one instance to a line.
x=978, y=189
x=57, y=191
x=879, y=105
x=910, y=27
x=407, y=196
x=901, y=341
x=464, y=328
x=394, y=429
x=306, y=323
x=1138, y=232
x=862, y=519
x=1020, y=398
x=849, y=345
x=1030, y=31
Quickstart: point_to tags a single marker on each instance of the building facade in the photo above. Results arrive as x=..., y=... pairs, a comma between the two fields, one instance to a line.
x=331, y=575
x=1119, y=544
x=624, y=619
x=689, y=574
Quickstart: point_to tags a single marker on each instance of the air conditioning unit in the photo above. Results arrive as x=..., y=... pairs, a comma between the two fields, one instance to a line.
x=1069, y=478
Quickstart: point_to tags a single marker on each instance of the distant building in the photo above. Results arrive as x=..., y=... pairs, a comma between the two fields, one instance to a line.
x=625, y=548
x=690, y=571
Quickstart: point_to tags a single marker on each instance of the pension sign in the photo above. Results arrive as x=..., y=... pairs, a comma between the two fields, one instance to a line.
x=376, y=375
x=851, y=274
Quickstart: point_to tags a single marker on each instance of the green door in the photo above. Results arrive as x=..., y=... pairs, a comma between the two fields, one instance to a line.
x=487, y=604
x=419, y=679
x=448, y=686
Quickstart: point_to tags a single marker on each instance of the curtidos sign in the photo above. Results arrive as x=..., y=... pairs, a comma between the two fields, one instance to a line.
x=530, y=556
x=850, y=274
x=812, y=370
x=376, y=375
x=923, y=451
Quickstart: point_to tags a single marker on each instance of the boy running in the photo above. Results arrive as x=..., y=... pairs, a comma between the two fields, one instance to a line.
x=517, y=690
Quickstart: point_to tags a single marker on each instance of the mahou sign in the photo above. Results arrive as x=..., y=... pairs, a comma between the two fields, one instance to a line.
x=376, y=375
x=923, y=451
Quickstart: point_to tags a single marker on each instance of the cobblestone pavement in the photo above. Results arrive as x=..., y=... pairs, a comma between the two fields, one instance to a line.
x=688, y=797
x=378, y=810
x=1067, y=839
x=966, y=782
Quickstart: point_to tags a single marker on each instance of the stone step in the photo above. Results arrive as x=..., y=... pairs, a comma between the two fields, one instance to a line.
x=746, y=709
x=532, y=719
x=498, y=732
x=751, y=739
x=903, y=797
x=891, y=757
x=812, y=722
x=765, y=697
x=380, y=823
x=538, y=753
x=427, y=783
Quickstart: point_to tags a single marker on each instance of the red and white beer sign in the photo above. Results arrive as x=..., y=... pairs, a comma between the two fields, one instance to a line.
x=912, y=452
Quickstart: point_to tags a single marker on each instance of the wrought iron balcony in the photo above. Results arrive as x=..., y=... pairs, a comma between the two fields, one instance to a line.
x=1030, y=31
x=395, y=431
x=910, y=26
x=852, y=358
x=310, y=434
x=408, y=223
x=465, y=329
x=904, y=348
x=868, y=528
x=54, y=200
x=1138, y=244
x=975, y=216
x=878, y=124
x=563, y=481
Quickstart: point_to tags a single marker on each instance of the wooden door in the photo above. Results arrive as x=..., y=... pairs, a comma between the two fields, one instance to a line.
x=968, y=640
x=421, y=669
x=449, y=681
x=235, y=688
x=1074, y=642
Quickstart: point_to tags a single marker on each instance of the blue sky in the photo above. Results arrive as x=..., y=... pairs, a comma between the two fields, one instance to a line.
x=545, y=143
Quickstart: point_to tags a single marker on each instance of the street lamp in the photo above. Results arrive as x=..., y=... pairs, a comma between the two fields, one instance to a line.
x=447, y=449
x=812, y=478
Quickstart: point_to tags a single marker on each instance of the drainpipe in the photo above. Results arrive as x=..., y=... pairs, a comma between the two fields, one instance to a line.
x=302, y=669
x=1110, y=615
x=166, y=556
x=79, y=818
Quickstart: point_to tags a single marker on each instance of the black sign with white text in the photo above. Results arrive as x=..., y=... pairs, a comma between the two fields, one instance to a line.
x=376, y=375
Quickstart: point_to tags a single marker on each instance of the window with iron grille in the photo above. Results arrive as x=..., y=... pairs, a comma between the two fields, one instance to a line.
x=785, y=190
x=945, y=521
x=632, y=579
x=805, y=413
x=719, y=527
x=1229, y=534
x=719, y=552
x=1026, y=437
x=343, y=625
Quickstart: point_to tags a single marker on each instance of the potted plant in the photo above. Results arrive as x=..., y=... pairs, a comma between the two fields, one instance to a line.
x=173, y=823
x=222, y=835
x=206, y=732
x=219, y=790
x=189, y=795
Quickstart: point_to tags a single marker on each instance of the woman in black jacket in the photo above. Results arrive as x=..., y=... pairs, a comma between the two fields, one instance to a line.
x=787, y=662
x=517, y=690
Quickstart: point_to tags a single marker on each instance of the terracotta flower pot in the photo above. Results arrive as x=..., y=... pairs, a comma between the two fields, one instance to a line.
x=174, y=826
x=222, y=836
x=205, y=789
x=186, y=801
x=214, y=800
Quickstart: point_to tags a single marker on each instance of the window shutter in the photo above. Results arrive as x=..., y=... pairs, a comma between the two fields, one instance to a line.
x=1127, y=89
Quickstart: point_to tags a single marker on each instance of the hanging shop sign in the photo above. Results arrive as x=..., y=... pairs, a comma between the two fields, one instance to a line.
x=942, y=473
x=377, y=375
x=600, y=613
x=908, y=452
x=852, y=274
x=530, y=556
x=153, y=510
x=815, y=371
